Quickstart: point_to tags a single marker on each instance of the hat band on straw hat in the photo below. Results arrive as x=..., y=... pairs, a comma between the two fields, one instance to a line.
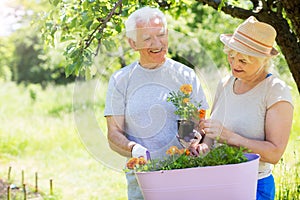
x=251, y=43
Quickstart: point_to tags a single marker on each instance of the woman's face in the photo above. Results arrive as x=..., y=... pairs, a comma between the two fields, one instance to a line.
x=244, y=68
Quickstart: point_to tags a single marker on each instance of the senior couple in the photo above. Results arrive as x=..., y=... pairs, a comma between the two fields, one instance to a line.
x=252, y=108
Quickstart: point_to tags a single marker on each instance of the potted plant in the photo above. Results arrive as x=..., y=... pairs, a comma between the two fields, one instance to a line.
x=187, y=110
x=224, y=173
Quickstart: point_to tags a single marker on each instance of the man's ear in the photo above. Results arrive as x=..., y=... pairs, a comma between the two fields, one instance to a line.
x=132, y=44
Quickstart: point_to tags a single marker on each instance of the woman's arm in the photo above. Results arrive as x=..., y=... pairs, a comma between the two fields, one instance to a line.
x=278, y=124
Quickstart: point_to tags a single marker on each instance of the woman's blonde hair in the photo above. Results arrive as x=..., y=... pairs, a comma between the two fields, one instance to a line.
x=266, y=61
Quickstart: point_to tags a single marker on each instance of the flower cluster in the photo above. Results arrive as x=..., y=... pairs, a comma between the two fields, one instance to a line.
x=182, y=158
x=185, y=107
x=134, y=162
x=173, y=150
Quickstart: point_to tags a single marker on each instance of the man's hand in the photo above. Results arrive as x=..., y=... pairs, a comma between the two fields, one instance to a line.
x=138, y=151
x=196, y=148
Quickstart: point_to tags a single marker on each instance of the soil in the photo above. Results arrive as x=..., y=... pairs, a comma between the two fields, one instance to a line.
x=3, y=189
x=16, y=191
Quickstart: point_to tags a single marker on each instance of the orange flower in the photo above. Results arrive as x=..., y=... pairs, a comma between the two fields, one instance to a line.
x=186, y=88
x=181, y=151
x=132, y=162
x=186, y=100
x=172, y=150
x=202, y=114
x=187, y=152
x=142, y=161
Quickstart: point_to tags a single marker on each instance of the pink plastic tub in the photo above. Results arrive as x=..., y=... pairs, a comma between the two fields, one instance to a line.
x=234, y=182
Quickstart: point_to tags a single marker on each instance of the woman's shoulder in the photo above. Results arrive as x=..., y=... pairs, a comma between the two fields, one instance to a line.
x=276, y=83
x=227, y=80
x=277, y=90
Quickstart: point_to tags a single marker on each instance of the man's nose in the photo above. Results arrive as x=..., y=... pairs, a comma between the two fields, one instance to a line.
x=156, y=41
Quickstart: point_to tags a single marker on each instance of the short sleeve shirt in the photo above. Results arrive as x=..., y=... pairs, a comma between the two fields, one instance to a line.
x=141, y=96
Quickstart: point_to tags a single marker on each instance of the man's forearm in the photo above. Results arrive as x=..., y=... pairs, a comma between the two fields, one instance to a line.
x=120, y=144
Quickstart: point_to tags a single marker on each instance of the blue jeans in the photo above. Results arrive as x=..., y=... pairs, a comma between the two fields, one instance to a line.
x=266, y=188
x=133, y=189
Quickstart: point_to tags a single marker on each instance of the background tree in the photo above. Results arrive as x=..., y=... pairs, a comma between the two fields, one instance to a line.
x=24, y=58
x=88, y=26
x=6, y=51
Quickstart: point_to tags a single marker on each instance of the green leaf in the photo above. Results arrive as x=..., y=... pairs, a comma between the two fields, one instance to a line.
x=54, y=2
x=88, y=24
x=98, y=36
x=119, y=28
x=221, y=5
x=70, y=69
x=88, y=74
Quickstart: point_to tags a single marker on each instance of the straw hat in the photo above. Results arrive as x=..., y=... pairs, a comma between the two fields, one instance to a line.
x=252, y=38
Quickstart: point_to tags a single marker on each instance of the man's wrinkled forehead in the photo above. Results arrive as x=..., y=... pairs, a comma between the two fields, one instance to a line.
x=154, y=25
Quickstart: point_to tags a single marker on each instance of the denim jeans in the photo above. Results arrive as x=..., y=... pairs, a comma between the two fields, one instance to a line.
x=266, y=188
x=133, y=189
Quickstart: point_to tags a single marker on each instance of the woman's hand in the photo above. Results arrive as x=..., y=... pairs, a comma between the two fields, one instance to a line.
x=214, y=130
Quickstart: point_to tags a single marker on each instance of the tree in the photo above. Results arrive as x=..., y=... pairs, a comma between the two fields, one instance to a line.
x=23, y=56
x=86, y=26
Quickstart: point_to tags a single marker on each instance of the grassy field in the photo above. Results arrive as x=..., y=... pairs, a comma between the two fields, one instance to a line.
x=39, y=134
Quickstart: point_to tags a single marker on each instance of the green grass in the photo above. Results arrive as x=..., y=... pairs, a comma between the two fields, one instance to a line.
x=38, y=134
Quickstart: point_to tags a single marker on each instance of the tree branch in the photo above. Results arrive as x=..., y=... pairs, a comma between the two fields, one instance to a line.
x=265, y=5
x=257, y=5
x=237, y=12
x=102, y=25
x=279, y=9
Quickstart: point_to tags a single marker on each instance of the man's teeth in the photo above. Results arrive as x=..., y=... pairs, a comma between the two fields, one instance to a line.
x=156, y=51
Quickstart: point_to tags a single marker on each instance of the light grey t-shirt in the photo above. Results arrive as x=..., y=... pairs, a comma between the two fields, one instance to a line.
x=141, y=96
x=245, y=113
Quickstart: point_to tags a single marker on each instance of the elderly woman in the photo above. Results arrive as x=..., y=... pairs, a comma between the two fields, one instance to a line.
x=252, y=108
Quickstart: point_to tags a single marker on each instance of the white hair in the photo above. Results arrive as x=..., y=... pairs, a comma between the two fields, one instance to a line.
x=261, y=60
x=143, y=15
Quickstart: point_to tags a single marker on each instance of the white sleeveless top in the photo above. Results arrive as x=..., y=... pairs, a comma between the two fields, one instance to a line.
x=245, y=113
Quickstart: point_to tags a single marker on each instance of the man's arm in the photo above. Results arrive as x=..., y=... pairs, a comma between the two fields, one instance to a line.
x=116, y=135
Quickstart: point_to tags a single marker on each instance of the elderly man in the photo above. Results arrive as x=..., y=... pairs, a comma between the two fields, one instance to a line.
x=140, y=121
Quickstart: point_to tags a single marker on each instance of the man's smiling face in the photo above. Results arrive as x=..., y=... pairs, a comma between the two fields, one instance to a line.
x=152, y=43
